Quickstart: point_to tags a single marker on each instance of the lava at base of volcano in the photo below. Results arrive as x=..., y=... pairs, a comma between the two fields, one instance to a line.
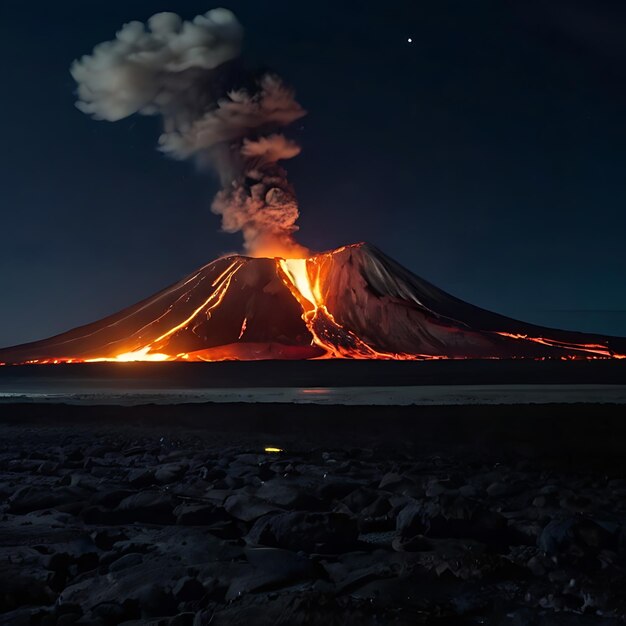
x=350, y=303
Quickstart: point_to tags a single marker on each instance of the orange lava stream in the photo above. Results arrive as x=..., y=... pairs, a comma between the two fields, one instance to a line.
x=150, y=352
x=244, y=325
x=598, y=351
x=337, y=341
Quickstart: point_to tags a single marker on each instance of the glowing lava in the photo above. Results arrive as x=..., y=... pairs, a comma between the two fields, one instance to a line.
x=336, y=341
x=150, y=352
x=587, y=350
x=350, y=303
x=138, y=355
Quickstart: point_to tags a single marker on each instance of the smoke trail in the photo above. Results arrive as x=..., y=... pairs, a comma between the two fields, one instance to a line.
x=213, y=111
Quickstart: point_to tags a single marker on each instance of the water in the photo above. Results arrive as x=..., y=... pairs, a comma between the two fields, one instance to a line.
x=425, y=395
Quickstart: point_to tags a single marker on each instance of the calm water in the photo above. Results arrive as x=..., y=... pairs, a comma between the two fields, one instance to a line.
x=400, y=396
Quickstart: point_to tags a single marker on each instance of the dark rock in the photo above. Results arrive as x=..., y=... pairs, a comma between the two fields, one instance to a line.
x=212, y=473
x=549, y=489
x=134, y=451
x=102, y=515
x=140, y=477
x=274, y=568
x=87, y=562
x=389, y=592
x=433, y=545
x=334, y=489
x=188, y=589
x=379, y=507
x=18, y=465
x=489, y=527
x=155, y=601
x=185, y=619
x=436, y=488
x=359, y=499
x=148, y=506
x=98, y=450
x=189, y=514
x=540, y=564
x=68, y=619
x=545, y=500
x=170, y=472
x=110, y=612
x=394, y=482
x=287, y=495
x=528, y=531
x=598, y=535
x=128, y=560
x=24, y=586
x=497, y=490
x=48, y=468
x=455, y=517
x=410, y=521
x=289, y=564
x=417, y=543
x=35, y=498
x=247, y=459
x=574, y=503
x=247, y=508
x=311, y=532
x=469, y=491
x=110, y=498
x=74, y=455
x=574, y=533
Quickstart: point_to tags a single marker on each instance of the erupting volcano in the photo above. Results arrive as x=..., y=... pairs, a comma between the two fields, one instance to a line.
x=281, y=302
x=351, y=303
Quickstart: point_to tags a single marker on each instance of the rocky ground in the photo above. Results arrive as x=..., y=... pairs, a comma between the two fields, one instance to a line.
x=140, y=525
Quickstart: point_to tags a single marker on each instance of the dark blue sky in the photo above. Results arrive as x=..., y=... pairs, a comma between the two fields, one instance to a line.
x=488, y=156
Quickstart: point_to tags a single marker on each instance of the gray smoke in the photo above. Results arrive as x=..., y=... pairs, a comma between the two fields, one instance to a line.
x=212, y=111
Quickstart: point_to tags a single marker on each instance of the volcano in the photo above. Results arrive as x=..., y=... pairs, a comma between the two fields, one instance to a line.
x=350, y=303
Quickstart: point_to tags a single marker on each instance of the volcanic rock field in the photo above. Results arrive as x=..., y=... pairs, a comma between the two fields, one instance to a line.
x=147, y=525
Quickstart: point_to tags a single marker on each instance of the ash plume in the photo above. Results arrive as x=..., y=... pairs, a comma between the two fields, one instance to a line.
x=213, y=111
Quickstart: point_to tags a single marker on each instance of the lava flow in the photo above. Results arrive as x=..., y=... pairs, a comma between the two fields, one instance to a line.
x=336, y=341
x=349, y=303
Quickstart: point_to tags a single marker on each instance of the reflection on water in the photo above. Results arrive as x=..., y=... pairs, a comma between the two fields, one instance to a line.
x=382, y=396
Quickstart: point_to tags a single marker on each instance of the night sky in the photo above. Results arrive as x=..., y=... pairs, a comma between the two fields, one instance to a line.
x=488, y=156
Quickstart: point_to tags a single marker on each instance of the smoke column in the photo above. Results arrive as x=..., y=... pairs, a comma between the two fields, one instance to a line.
x=213, y=111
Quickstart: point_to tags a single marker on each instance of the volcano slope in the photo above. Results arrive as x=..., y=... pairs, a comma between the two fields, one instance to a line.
x=353, y=302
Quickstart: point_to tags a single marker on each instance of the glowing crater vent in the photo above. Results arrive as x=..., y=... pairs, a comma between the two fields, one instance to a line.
x=296, y=270
x=350, y=303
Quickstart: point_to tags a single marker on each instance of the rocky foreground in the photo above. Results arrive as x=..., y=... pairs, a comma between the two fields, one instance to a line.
x=149, y=526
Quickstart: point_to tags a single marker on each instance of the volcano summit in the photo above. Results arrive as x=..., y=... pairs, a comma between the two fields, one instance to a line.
x=350, y=303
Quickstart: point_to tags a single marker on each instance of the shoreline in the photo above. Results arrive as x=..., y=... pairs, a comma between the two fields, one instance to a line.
x=420, y=395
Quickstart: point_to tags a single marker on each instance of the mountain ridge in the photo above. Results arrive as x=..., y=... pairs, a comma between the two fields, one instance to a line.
x=351, y=302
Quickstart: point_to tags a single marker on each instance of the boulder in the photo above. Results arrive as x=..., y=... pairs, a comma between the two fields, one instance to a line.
x=305, y=530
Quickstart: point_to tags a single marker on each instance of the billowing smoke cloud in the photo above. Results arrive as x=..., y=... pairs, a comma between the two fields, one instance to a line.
x=212, y=111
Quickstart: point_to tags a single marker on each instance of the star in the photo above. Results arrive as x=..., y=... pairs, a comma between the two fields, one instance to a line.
x=410, y=40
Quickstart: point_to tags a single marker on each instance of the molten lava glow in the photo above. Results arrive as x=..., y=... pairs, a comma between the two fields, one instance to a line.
x=244, y=325
x=138, y=355
x=587, y=350
x=297, y=272
x=152, y=351
x=336, y=341
x=307, y=280
x=273, y=249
